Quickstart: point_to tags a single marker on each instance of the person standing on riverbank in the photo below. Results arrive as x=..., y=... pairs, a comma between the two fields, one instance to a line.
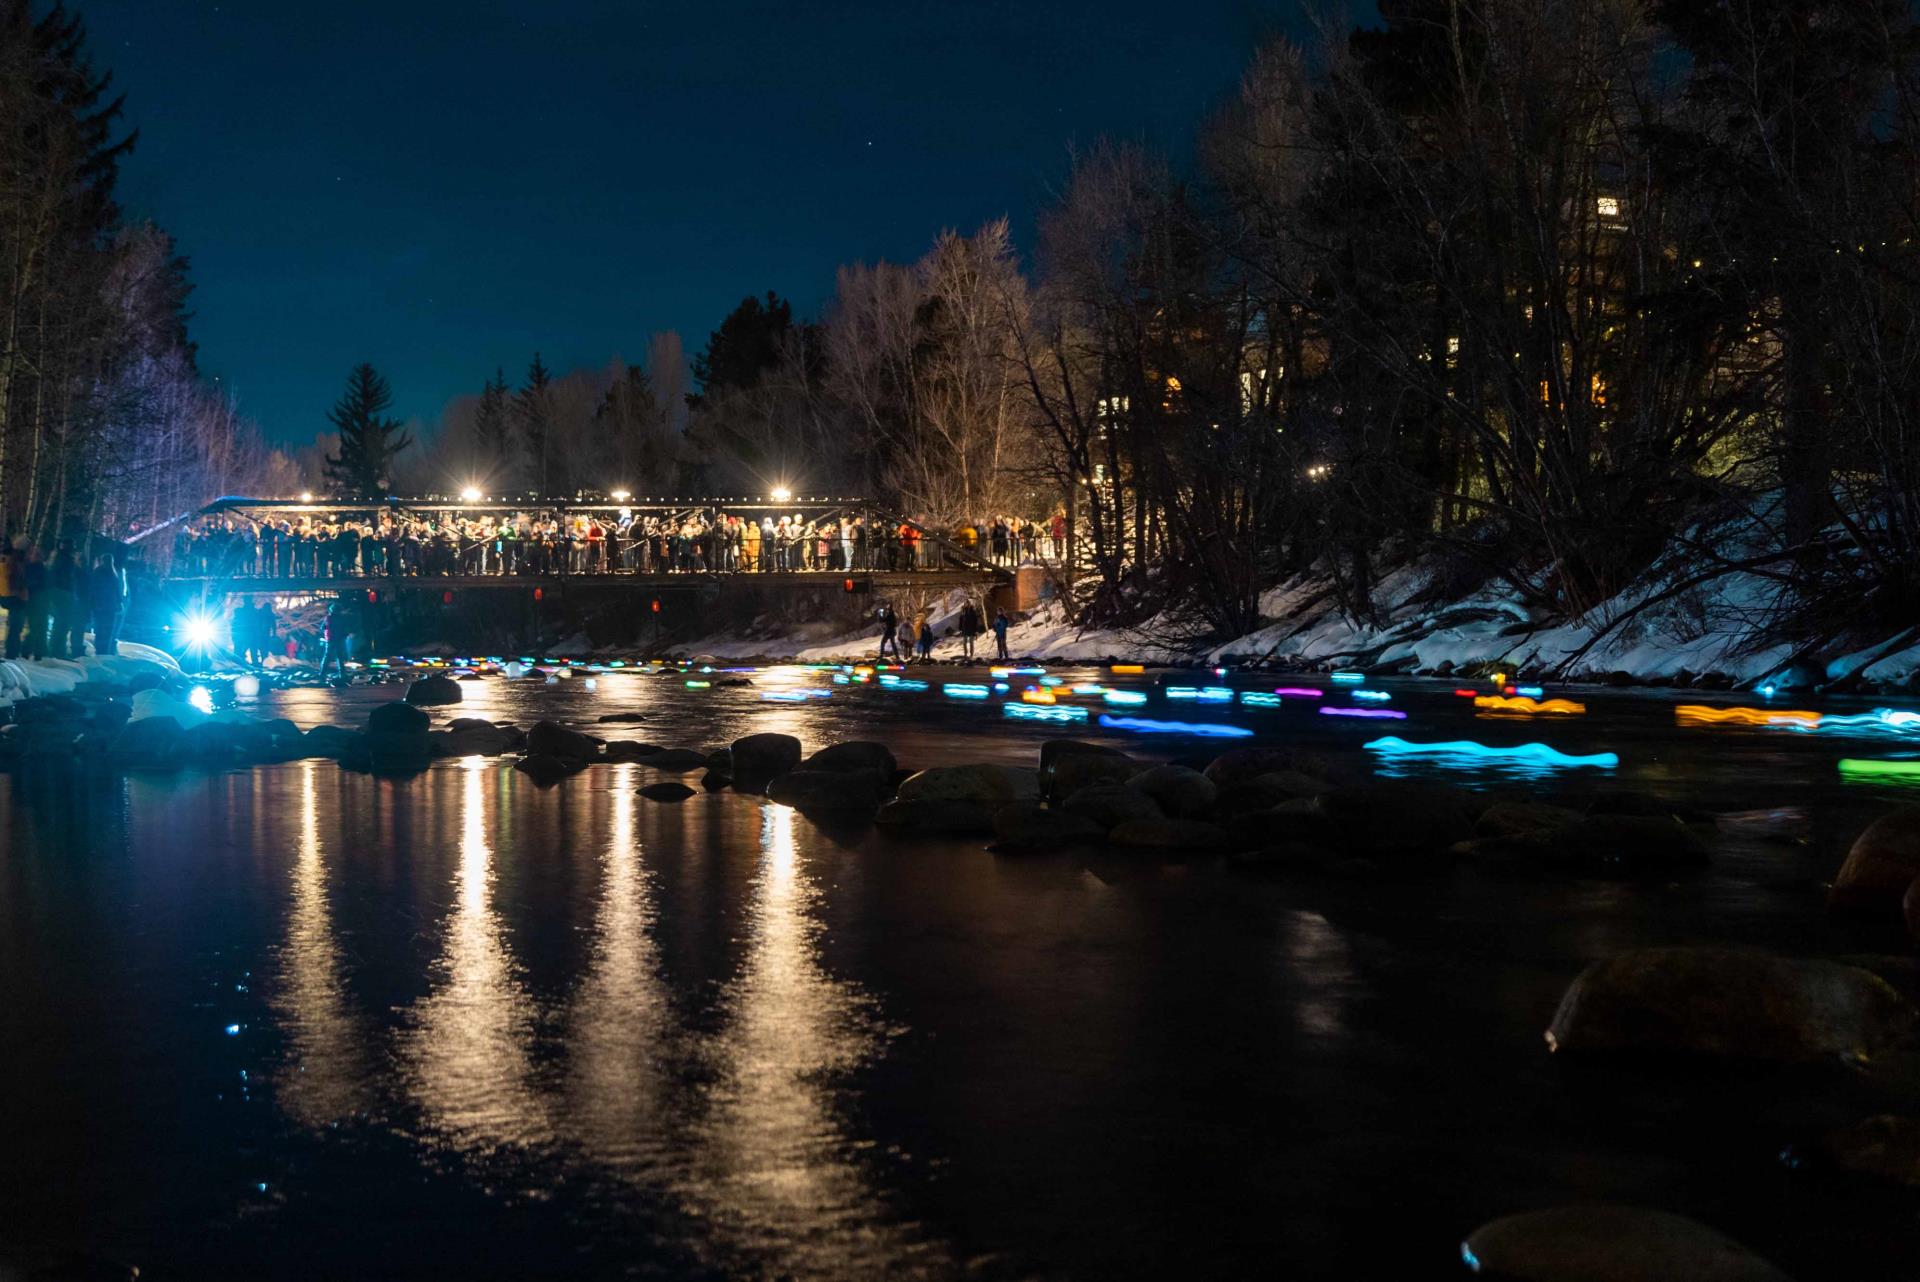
x=106, y=596
x=333, y=638
x=1000, y=624
x=888, y=621
x=969, y=629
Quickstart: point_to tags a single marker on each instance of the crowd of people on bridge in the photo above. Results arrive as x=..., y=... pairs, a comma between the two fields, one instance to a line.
x=346, y=546
x=53, y=602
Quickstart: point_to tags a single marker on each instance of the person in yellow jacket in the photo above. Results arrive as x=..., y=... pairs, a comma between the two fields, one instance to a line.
x=750, y=541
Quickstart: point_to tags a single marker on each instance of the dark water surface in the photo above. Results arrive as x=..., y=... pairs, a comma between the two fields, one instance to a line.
x=298, y=1022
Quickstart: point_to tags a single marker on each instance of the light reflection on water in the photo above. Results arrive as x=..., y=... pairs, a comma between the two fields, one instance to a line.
x=324, y=1079
x=466, y=1048
x=771, y=1154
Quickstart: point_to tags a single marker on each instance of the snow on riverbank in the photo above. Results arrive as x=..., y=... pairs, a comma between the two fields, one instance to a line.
x=30, y=678
x=1717, y=628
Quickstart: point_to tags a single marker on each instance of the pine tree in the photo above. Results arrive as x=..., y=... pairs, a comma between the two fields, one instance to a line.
x=493, y=431
x=533, y=411
x=368, y=440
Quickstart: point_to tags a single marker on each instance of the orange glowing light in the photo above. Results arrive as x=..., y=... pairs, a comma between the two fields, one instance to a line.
x=1037, y=696
x=1128, y=669
x=1522, y=704
x=1699, y=714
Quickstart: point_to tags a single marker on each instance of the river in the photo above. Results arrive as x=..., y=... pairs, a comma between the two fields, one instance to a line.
x=295, y=1022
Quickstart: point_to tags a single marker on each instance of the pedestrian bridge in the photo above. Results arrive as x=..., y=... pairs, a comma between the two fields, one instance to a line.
x=395, y=546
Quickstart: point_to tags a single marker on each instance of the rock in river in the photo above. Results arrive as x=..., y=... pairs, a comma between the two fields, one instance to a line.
x=397, y=718
x=548, y=739
x=856, y=754
x=1168, y=834
x=1183, y=793
x=812, y=790
x=1731, y=1003
x=666, y=790
x=1603, y=1243
x=1881, y=865
x=434, y=690
x=985, y=783
x=936, y=818
x=546, y=771
x=1107, y=805
x=1026, y=826
x=676, y=761
x=762, y=756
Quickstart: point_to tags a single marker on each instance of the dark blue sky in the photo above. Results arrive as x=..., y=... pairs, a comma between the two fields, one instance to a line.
x=438, y=187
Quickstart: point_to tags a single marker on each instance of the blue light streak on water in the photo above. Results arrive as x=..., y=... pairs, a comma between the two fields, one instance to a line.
x=1376, y=696
x=1216, y=694
x=1474, y=753
x=1182, y=692
x=1383, y=714
x=1349, y=676
x=1256, y=699
x=1125, y=698
x=1000, y=687
x=1040, y=712
x=954, y=691
x=1206, y=729
x=1531, y=692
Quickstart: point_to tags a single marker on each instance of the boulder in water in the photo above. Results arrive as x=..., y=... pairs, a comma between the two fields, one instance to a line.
x=630, y=750
x=152, y=741
x=1886, y=1147
x=1732, y=1004
x=984, y=783
x=550, y=739
x=1394, y=818
x=676, y=761
x=398, y=752
x=397, y=718
x=1067, y=765
x=1181, y=792
x=855, y=754
x=714, y=780
x=434, y=690
x=810, y=790
x=612, y=717
x=1237, y=765
x=336, y=742
x=1604, y=1243
x=1523, y=819
x=666, y=790
x=762, y=756
x=1107, y=805
x=1881, y=865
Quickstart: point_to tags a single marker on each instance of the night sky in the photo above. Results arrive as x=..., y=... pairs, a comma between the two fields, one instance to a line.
x=441, y=187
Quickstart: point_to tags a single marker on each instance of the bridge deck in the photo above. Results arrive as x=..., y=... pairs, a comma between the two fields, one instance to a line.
x=950, y=577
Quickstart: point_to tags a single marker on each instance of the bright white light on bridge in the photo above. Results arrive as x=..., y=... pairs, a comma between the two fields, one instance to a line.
x=781, y=494
x=621, y=496
x=470, y=494
x=305, y=497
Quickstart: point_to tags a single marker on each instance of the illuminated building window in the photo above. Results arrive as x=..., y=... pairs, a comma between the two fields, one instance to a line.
x=1607, y=207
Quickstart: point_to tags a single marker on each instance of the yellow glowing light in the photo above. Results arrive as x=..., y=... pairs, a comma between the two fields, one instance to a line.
x=1521, y=703
x=1499, y=678
x=781, y=494
x=305, y=497
x=1037, y=696
x=1699, y=714
x=1128, y=669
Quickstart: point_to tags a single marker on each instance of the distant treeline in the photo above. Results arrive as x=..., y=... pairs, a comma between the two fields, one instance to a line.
x=1532, y=286
x=105, y=423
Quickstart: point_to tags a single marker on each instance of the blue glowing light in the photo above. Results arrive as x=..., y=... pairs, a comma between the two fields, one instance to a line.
x=1125, y=698
x=902, y=683
x=1089, y=690
x=1529, y=753
x=1040, y=712
x=201, y=698
x=1530, y=692
x=955, y=691
x=1382, y=714
x=1259, y=700
x=1349, y=676
x=1182, y=692
x=1052, y=681
x=233, y=1030
x=1375, y=696
x=1216, y=694
x=1209, y=729
x=1766, y=692
x=794, y=696
x=1000, y=687
x=842, y=679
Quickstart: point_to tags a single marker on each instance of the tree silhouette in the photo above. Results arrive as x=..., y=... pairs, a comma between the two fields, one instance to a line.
x=368, y=439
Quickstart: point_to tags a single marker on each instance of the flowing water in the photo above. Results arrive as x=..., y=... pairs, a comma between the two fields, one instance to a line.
x=293, y=1022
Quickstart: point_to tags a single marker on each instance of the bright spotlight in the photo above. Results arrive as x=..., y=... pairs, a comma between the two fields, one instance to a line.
x=470, y=495
x=200, y=630
x=781, y=494
x=621, y=496
x=305, y=497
